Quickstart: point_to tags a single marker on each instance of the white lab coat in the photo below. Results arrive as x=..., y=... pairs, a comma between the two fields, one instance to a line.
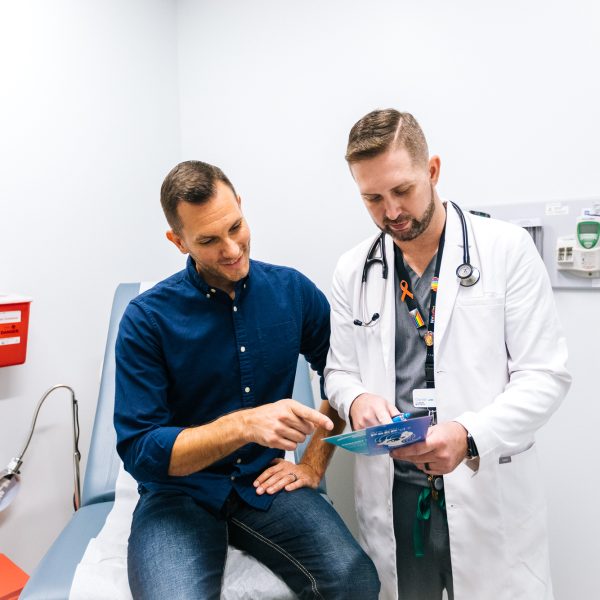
x=499, y=370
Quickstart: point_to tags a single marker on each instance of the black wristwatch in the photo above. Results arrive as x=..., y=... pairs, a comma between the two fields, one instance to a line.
x=472, y=451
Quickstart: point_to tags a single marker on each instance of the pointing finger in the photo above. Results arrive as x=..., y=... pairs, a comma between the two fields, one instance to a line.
x=312, y=415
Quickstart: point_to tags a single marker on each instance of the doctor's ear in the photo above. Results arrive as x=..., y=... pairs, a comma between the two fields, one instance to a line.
x=175, y=239
x=434, y=169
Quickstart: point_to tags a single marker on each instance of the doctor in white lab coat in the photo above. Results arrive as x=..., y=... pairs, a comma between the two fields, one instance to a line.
x=499, y=372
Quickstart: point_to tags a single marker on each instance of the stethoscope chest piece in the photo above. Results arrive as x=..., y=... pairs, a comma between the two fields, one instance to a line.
x=467, y=274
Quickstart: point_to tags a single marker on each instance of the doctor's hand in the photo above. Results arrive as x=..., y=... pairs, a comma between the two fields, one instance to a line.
x=442, y=451
x=283, y=424
x=288, y=475
x=369, y=409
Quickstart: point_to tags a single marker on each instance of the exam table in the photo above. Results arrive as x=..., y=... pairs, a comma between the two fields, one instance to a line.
x=62, y=574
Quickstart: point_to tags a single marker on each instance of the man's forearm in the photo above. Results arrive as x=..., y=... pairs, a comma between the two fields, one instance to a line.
x=198, y=447
x=282, y=424
x=318, y=453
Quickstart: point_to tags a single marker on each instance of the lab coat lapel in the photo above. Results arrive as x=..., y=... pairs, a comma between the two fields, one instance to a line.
x=448, y=281
x=387, y=327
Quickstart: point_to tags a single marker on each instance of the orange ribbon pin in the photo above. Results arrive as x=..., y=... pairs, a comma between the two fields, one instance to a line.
x=405, y=291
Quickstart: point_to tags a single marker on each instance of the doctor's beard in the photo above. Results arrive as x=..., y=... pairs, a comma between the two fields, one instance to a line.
x=417, y=226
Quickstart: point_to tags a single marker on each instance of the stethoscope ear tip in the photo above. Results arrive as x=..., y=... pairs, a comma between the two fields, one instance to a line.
x=359, y=323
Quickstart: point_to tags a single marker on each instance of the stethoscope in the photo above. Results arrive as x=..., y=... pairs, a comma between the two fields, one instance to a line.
x=467, y=274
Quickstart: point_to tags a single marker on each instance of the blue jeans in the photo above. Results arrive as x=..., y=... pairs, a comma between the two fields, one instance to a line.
x=177, y=549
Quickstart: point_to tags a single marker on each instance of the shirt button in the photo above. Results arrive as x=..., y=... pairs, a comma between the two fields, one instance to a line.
x=208, y=295
x=243, y=349
x=244, y=286
x=235, y=309
x=213, y=290
x=238, y=461
x=232, y=478
x=247, y=390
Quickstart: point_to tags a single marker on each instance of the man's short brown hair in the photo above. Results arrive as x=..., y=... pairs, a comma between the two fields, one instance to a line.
x=383, y=130
x=191, y=181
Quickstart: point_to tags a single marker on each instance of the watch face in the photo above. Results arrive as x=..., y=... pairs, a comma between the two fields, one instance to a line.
x=464, y=271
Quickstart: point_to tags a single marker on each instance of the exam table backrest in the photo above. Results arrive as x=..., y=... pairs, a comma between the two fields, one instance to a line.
x=103, y=461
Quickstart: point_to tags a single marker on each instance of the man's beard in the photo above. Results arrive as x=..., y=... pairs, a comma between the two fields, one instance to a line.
x=417, y=226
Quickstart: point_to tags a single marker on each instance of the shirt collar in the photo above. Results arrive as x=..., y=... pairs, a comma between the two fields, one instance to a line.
x=198, y=281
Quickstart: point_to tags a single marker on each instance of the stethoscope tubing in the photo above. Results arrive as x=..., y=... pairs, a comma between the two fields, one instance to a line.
x=466, y=273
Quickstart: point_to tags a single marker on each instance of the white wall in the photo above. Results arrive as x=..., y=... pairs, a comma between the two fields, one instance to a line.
x=508, y=94
x=99, y=99
x=89, y=126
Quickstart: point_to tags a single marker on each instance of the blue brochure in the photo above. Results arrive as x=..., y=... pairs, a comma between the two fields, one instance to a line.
x=380, y=439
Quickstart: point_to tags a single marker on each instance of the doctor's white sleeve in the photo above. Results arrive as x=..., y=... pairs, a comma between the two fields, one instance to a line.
x=536, y=358
x=342, y=374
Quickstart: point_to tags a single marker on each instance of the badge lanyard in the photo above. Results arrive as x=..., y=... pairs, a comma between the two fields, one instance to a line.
x=425, y=330
x=436, y=483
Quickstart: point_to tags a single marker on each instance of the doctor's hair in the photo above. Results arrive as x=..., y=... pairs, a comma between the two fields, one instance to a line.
x=383, y=130
x=191, y=181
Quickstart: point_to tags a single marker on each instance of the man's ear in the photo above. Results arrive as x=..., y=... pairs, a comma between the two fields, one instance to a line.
x=434, y=169
x=175, y=239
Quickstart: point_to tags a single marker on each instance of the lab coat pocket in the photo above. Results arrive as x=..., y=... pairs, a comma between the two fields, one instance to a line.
x=524, y=516
x=480, y=323
x=280, y=346
x=521, y=488
x=508, y=458
x=474, y=299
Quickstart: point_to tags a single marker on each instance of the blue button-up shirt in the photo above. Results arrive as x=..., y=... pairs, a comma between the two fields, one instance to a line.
x=187, y=354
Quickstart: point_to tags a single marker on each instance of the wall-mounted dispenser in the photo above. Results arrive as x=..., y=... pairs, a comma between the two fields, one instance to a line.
x=14, y=326
x=579, y=254
x=566, y=234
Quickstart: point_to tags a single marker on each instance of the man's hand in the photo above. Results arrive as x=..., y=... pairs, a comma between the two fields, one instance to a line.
x=369, y=409
x=283, y=424
x=442, y=451
x=286, y=474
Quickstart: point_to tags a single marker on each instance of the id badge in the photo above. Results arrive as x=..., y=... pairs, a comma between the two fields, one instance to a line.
x=424, y=398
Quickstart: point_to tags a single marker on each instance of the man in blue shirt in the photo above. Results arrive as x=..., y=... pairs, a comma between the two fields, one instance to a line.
x=206, y=361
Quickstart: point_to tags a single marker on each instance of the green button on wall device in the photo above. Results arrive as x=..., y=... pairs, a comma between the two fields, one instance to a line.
x=588, y=234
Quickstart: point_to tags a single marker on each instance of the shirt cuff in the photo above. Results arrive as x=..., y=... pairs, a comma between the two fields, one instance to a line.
x=154, y=453
x=347, y=398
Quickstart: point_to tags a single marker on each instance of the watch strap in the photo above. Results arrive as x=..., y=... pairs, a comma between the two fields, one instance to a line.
x=472, y=451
